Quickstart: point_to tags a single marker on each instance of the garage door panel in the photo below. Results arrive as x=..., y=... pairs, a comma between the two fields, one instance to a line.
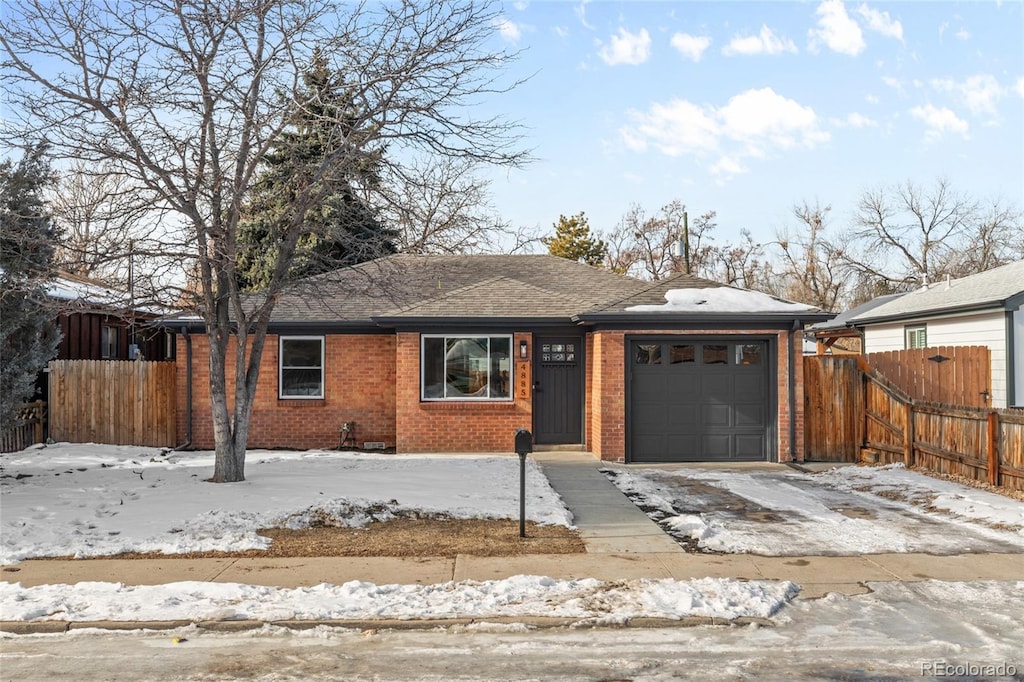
x=750, y=446
x=749, y=414
x=748, y=382
x=716, y=387
x=698, y=403
x=715, y=446
x=715, y=415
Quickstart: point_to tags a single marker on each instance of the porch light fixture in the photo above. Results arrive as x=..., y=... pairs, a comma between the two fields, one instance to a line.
x=523, y=350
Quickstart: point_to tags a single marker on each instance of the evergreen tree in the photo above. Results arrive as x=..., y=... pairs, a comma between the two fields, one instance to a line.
x=28, y=334
x=572, y=240
x=340, y=229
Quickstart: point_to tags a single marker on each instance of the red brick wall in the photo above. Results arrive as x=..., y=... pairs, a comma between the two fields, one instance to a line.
x=607, y=399
x=359, y=380
x=457, y=426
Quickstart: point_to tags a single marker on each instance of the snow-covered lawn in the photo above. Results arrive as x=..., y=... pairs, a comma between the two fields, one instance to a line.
x=90, y=500
x=844, y=511
x=95, y=500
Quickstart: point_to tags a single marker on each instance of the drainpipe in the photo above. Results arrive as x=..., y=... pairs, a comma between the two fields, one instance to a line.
x=792, y=392
x=188, y=391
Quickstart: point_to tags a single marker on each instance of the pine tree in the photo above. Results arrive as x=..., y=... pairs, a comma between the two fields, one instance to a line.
x=572, y=240
x=28, y=334
x=341, y=229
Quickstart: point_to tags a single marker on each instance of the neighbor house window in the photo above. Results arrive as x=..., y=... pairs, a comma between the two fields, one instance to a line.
x=108, y=342
x=917, y=337
x=301, y=367
x=466, y=368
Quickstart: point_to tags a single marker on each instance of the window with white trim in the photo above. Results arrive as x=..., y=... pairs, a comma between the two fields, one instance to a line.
x=916, y=337
x=301, y=367
x=466, y=367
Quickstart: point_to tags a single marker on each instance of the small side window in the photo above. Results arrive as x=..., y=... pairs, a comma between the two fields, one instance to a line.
x=109, y=342
x=916, y=337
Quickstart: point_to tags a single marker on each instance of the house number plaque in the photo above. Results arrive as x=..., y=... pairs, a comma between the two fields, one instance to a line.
x=523, y=378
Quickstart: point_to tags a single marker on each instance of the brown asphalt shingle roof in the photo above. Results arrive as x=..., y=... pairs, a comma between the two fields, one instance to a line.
x=447, y=286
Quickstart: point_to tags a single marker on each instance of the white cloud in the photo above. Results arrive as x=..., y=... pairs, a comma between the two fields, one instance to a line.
x=580, y=11
x=836, y=29
x=521, y=5
x=752, y=124
x=939, y=121
x=508, y=29
x=1020, y=86
x=880, y=22
x=855, y=120
x=627, y=48
x=981, y=92
x=963, y=34
x=894, y=83
x=872, y=99
x=561, y=31
x=765, y=42
x=691, y=47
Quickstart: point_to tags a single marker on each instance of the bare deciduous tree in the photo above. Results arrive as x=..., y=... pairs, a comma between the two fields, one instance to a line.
x=185, y=98
x=809, y=267
x=644, y=246
x=440, y=204
x=905, y=235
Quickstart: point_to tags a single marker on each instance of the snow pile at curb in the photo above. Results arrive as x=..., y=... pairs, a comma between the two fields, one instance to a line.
x=519, y=596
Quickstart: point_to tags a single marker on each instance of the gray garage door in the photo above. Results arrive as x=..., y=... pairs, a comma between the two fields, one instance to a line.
x=698, y=400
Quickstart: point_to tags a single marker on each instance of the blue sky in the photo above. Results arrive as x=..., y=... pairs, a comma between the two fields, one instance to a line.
x=747, y=108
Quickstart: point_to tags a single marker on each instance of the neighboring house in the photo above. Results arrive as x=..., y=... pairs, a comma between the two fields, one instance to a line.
x=98, y=322
x=986, y=309
x=837, y=337
x=454, y=353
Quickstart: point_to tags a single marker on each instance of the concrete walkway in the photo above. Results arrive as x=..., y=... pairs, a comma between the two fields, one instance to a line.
x=622, y=543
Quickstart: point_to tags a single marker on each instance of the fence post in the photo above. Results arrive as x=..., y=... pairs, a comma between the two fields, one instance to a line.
x=908, y=435
x=993, y=447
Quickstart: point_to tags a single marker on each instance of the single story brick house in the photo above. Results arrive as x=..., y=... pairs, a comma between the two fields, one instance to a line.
x=454, y=353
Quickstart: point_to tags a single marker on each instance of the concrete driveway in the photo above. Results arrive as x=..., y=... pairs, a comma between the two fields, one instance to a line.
x=774, y=510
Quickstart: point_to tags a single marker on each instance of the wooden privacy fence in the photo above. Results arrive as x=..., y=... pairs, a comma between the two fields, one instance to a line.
x=31, y=430
x=108, y=401
x=976, y=443
x=952, y=375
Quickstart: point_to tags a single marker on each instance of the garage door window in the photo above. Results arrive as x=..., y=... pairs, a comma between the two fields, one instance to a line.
x=683, y=354
x=648, y=354
x=715, y=354
x=748, y=354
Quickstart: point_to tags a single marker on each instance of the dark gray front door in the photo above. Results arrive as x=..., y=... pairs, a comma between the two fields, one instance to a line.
x=558, y=389
x=698, y=400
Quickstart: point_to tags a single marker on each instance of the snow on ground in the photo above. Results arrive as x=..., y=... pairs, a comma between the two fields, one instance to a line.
x=519, y=596
x=957, y=500
x=846, y=511
x=919, y=630
x=95, y=500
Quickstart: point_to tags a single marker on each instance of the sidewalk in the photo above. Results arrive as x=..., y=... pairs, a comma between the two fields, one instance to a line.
x=622, y=543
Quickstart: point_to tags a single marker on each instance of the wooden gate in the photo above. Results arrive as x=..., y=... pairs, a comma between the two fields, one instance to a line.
x=109, y=401
x=833, y=408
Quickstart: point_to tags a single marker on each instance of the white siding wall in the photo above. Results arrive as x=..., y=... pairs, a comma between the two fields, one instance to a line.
x=987, y=329
x=1018, y=356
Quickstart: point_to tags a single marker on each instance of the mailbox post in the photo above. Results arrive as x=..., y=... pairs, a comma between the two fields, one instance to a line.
x=524, y=446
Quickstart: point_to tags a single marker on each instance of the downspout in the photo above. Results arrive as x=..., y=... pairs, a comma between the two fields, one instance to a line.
x=792, y=392
x=188, y=391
